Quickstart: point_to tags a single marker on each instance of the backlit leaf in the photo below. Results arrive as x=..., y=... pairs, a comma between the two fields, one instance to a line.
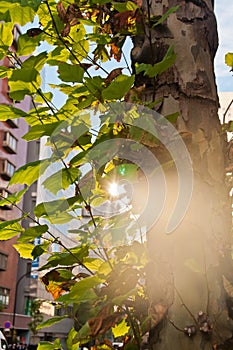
x=6, y=35
x=37, y=131
x=81, y=287
x=50, y=322
x=29, y=173
x=24, y=74
x=62, y=179
x=10, y=229
x=13, y=198
x=65, y=258
x=32, y=232
x=24, y=250
x=118, y=87
x=120, y=329
x=26, y=45
x=37, y=62
x=45, y=345
x=70, y=73
x=10, y=112
x=229, y=59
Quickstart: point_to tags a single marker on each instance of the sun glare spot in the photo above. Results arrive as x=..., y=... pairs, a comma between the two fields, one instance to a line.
x=113, y=189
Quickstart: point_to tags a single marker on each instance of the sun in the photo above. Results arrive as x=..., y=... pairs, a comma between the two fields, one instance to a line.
x=113, y=189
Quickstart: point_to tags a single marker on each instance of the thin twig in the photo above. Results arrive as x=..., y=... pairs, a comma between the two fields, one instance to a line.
x=186, y=307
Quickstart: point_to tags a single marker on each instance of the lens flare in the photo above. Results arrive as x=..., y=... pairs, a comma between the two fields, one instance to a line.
x=113, y=189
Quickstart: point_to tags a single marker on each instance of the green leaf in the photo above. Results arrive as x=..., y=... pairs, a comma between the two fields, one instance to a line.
x=19, y=88
x=92, y=263
x=40, y=249
x=125, y=6
x=67, y=259
x=118, y=87
x=172, y=118
x=160, y=67
x=32, y=232
x=94, y=85
x=21, y=14
x=24, y=250
x=10, y=112
x=29, y=173
x=13, y=198
x=39, y=99
x=229, y=59
x=37, y=131
x=51, y=321
x=70, y=73
x=97, y=201
x=24, y=74
x=45, y=345
x=6, y=35
x=62, y=179
x=79, y=290
x=59, y=218
x=55, y=207
x=4, y=72
x=26, y=45
x=37, y=62
x=166, y=15
x=10, y=229
x=120, y=329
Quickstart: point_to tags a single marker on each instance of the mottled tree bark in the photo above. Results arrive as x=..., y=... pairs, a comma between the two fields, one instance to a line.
x=191, y=268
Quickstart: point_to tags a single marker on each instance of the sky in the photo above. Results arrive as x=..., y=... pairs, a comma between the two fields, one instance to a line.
x=224, y=14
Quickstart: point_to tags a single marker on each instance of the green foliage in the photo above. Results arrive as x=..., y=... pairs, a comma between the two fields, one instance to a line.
x=160, y=67
x=88, y=141
x=50, y=322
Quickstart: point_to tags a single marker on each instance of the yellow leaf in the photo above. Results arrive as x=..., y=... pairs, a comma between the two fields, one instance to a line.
x=229, y=59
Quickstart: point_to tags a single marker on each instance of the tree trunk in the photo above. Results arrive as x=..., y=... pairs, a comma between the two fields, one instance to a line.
x=191, y=271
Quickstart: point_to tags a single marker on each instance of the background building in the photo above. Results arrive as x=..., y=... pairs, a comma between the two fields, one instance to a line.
x=14, y=272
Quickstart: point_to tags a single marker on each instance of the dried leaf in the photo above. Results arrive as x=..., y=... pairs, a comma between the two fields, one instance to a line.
x=121, y=20
x=157, y=313
x=66, y=30
x=100, y=325
x=112, y=75
x=115, y=51
x=55, y=289
x=61, y=11
x=85, y=66
x=72, y=14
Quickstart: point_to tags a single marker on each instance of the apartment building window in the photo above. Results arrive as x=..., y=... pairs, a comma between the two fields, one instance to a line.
x=9, y=142
x=4, y=296
x=3, y=261
x=4, y=194
x=7, y=169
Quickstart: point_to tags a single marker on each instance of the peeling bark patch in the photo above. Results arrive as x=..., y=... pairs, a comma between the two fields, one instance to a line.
x=190, y=12
x=200, y=85
x=195, y=49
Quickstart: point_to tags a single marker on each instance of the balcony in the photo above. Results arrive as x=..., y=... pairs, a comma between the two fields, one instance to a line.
x=9, y=142
x=7, y=169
